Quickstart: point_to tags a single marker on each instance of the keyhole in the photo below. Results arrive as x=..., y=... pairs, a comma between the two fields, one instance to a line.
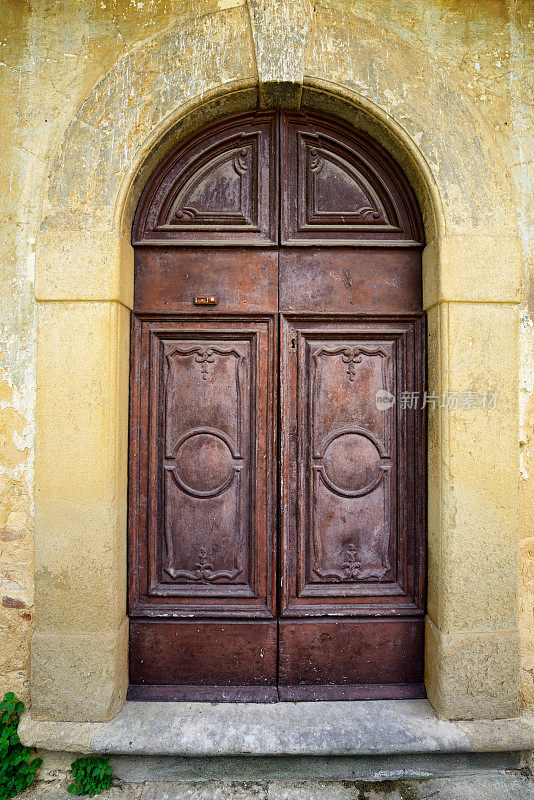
x=293, y=344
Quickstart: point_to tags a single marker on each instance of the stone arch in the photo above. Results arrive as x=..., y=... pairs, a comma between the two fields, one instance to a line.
x=147, y=102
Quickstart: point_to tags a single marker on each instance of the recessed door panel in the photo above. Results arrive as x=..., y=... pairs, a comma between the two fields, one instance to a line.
x=349, y=465
x=206, y=464
x=217, y=188
x=340, y=187
x=206, y=399
x=355, y=281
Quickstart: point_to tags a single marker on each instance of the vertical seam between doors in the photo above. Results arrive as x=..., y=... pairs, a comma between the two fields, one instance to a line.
x=278, y=554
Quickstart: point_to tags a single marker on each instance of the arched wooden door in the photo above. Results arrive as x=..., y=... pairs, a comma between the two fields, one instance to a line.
x=277, y=436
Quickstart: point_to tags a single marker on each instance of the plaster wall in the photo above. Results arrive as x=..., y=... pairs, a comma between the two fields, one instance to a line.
x=92, y=95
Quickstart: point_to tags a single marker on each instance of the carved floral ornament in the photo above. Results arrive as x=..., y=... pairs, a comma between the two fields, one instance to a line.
x=353, y=355
x=203, y=571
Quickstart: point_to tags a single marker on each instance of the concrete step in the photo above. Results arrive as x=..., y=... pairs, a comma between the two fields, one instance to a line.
x=497, y=786
x=382, y=742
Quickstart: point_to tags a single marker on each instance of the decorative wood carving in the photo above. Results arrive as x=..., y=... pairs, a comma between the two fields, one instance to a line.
x=340, y=187
x=217, y=188
x=350, y=462
x=349, y=467
x=204, y=403
x=205, y=461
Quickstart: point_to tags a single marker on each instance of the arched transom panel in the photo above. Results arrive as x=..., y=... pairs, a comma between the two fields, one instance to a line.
x=221, y=187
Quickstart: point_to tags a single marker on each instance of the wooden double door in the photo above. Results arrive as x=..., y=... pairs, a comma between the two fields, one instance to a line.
x=277, y=434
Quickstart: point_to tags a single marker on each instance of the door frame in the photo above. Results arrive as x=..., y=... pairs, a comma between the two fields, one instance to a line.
x=175, y=241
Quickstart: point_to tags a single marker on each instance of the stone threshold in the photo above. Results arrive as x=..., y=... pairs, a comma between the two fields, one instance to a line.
x=342, y=728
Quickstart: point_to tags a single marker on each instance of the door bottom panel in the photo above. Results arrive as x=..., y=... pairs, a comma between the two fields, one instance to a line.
x=330, y=654
x=202, y=655
x=318, y=660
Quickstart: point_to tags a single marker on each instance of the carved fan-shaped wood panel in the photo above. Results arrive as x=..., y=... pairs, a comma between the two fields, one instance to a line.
x=220, y=187
x=340, y=187
x=217, y=188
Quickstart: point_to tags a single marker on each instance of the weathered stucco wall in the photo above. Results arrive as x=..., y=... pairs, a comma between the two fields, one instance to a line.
x=521, y=159
x=138, y=61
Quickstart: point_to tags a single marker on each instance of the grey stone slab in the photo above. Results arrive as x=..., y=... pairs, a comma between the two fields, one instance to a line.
x=255, y=768
x=205, y=791
x=57, y=790
x=476, y=787
x=498, y=786
x=377, y=727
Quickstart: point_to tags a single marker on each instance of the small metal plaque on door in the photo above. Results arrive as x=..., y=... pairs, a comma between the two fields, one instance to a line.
x=205, y=300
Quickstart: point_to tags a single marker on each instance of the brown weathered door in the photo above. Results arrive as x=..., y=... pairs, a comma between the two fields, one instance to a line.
x=276, y=475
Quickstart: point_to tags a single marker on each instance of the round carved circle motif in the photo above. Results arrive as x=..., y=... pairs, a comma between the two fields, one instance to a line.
x=351, y=463
x=203, y=464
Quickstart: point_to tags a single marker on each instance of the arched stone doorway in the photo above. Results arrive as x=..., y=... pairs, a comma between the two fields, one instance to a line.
x=84, y=293
x=277, y=473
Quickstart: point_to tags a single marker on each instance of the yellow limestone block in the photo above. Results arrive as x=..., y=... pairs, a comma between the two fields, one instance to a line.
x=81, y=466
x=83, y=265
